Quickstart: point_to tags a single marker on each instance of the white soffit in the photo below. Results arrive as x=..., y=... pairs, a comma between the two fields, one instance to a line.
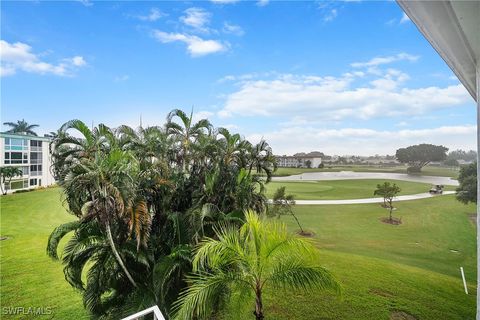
x=453, y=29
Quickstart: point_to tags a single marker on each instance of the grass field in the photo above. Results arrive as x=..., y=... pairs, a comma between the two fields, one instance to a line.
x=28, y=277
x=383, y=268
x=343, y=189
x=427, y=170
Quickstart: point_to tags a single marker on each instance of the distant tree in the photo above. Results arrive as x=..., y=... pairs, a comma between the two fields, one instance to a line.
x=308, y=163
x=451, y=162
x=7, y=173
x=321, y=166
x=462, y=155
x=21, y=127
x=282, y=205
x=467, y=191
x=388, y=191
x=420, y=155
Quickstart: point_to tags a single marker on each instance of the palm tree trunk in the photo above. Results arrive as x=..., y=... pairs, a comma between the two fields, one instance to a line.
x=391, y=209
x=298, y=222
x=117, y=255
x=258, y=304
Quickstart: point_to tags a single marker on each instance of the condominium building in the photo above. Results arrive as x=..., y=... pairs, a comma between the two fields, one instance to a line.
x=29, y=153
x=298, y=161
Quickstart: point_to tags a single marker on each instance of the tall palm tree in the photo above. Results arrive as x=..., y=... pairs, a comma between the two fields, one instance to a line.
x=185, y=132
x=260, y=254
x=261, y=159
x=21, y=127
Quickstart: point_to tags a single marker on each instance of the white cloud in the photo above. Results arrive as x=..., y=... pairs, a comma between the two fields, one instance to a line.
x=19, y=56
x=78, y=61
x=200, y=115
x=385, y=60
x=336, y=98
x=262, y=3
x=331, y=15
x=153, y=15
x=347, y=140
x=86, y=3
x=224, y=1
x=233, y=29
x=197, y=18
x=404, y=18
x=196, y=46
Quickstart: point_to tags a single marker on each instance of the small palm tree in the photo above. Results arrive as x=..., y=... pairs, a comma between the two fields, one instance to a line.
x=21, y=127
x=7, y=173
x=282, y=205
x=257, y=255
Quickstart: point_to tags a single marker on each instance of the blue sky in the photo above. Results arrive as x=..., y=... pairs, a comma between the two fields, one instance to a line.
x=339, y=77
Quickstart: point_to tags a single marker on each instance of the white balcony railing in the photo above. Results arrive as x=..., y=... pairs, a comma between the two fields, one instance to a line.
x=155, y=311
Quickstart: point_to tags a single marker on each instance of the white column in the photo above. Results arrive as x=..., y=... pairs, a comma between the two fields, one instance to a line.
x=478, y=191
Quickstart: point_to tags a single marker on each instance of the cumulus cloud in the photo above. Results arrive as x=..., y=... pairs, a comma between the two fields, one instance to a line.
x=19, y=56
x=377, y=61
x=153, y=15
x=346, y=141
x=196, y=18
x=233, y=29
x=352, y=95
x=196, y=46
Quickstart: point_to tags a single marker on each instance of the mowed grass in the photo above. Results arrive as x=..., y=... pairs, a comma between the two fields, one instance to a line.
x=343, y=189
x=426, y=171
x=29, y=278
x=384, y=269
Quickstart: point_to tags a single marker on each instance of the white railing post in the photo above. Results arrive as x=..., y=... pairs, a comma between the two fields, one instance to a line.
x=157, y=314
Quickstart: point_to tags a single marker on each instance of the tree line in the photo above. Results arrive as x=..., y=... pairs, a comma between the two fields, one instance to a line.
x=171, y=215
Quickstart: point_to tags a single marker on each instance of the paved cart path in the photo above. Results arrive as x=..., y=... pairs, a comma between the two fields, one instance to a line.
x=370, y=200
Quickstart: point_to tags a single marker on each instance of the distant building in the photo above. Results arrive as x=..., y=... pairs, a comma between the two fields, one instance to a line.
x=32, y=155
x=298, y=161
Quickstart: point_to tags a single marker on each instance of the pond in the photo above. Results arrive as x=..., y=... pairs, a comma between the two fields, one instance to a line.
x=349, y=175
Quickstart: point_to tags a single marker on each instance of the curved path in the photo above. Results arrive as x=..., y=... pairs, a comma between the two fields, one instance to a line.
x=370, y=200
x=349, y=175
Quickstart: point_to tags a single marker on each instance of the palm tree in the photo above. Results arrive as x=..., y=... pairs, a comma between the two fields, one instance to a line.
x=260, y=254
x=7, y=173
x=282, y=204
x=21, y=127
x=185, y=132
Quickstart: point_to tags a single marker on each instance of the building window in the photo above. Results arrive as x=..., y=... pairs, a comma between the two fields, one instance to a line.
x=17, y=184
x=33, y=182
x=16, y=144
x=36, y=170
x=35, y=157
x=35, y=145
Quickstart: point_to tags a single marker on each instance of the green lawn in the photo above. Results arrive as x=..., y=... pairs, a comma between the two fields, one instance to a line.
x=28, y=277
x=383, y=268
x=427, y=170
x=342, y=189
